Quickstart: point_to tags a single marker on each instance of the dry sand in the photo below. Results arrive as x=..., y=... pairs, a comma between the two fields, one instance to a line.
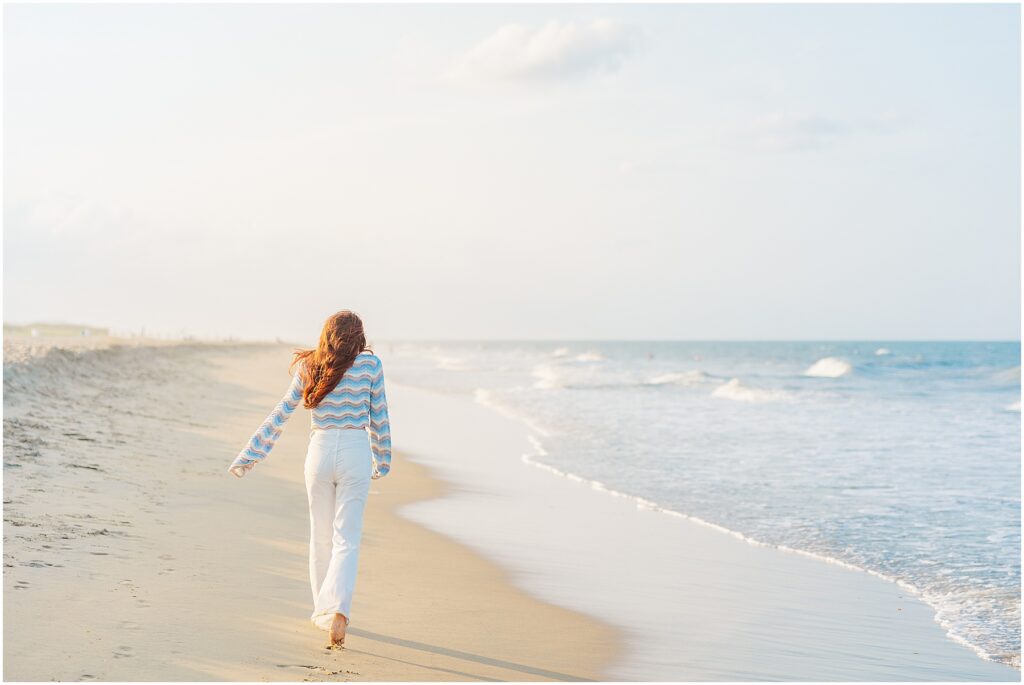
x=131, y=554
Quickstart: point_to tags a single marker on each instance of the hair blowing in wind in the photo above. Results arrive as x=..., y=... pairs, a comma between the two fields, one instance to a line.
x=341, y=340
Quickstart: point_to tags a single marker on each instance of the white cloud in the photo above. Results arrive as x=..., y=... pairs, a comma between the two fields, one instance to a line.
x=553, y=51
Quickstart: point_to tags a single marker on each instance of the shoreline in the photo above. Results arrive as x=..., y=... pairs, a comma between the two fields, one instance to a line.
x=151, y=562
x=476, y=563
x=777, y=615
x=499, y=631
x=644, y=503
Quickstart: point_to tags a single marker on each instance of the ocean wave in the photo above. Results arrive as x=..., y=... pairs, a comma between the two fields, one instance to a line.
x=560, y=352
x=451, y=363
x=881, y=351
x=734, y=390
x=691, y=377
x=1011, y=375
x=1014, y=407
x=547, y=377
x=829, y=367
x=562, y=377
x=590, y=356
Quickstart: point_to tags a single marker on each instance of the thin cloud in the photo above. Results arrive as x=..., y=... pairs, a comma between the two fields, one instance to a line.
x=799, y=132
x=552, y=52
x=812, y=132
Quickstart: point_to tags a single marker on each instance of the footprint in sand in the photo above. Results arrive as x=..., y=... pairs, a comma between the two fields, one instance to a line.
x=166, y=557
x=323, y=670
x=131, y=625
x=21, y=585
x=123, y=652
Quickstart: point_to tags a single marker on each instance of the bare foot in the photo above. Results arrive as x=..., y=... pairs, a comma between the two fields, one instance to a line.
x=338, y=626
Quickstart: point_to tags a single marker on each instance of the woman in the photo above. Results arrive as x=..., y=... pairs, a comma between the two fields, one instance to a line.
x=342, y=382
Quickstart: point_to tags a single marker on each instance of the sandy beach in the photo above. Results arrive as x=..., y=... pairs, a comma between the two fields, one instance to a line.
x=131, y=550
x=686, y=337
x=133, y=553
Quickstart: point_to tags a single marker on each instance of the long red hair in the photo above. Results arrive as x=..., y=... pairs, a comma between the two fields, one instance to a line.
x=341, y=340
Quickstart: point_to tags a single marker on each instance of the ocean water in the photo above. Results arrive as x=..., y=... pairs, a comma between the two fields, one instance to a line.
x=899, y=458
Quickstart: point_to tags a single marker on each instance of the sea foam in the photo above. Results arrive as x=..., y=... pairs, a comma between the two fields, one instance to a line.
x=691, y=377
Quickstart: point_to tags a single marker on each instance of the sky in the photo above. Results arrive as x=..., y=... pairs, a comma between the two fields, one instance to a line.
x=713, y=172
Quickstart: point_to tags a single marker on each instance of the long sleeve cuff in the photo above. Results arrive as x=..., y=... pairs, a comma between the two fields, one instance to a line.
x=241, y=466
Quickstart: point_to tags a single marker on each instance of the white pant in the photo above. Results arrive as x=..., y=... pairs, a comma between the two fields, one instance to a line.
x=337, y=469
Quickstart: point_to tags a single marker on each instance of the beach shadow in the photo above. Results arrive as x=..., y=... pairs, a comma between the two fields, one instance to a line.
x=467, y=656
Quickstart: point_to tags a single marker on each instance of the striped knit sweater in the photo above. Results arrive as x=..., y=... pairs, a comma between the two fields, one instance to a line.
x=357, y=401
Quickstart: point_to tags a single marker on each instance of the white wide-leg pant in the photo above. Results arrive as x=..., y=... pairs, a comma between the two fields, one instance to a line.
x=337, y=469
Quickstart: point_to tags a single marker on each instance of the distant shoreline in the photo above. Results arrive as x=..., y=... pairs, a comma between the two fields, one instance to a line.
x=76, y=330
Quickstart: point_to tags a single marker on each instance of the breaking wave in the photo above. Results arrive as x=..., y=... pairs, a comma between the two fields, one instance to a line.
x=829, y=367
x=546, y=377
x=734, y=390
x=451, y=363
x=1011, y=375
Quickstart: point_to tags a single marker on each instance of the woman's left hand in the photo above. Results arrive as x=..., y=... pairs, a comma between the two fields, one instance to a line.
x=240, y=470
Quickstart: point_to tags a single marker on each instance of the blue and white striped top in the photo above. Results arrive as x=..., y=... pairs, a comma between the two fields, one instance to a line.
x=357, y=401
